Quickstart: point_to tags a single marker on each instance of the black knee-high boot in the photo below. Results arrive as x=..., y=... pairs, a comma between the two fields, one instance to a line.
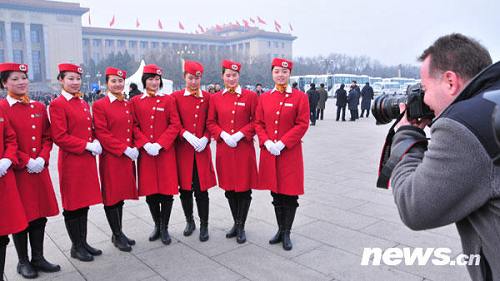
x=187, y=207
x=243, y=207
x=233, y=205
x=113, y=216
x=203, y=205
x=166, y=209
x=24, y=266
x=37, y=235
x=279, y=212
x=288, y=221
x=72, y=222
x=131, y=242
x=83, y=228
x=4, y=241
x=154, y=209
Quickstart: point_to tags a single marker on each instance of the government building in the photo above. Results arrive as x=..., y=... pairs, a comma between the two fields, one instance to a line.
x=44, y=33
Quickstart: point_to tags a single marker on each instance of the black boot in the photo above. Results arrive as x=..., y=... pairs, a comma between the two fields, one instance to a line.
x=287, y=226
x=166, y=209
x=203, y=214
x=4, y=240
x=187, y=207
x=131, y=242
x=23, y=266
x=154, y=209
x=278, y=211
x=38, y=261
x=243, y=207
x=83, y=228
x=233, y=205
x=113, y=216
x=77, y=250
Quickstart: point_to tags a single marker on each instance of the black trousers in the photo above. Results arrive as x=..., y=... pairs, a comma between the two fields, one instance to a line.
x=245, y=195
x=367, y=112
x=339, y=110
x=319, y=113
x=312, y=116
x=195, y=187
x=354, y=114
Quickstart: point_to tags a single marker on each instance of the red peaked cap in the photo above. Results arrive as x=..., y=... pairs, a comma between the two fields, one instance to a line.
x=282, y=63
x=70, y=67
x=116, y=71
x=193, y=67
x=11, y=66
x=227, y=64
x=153, y=69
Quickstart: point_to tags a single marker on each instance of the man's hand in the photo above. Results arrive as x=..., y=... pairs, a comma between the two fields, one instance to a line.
x=415, y=123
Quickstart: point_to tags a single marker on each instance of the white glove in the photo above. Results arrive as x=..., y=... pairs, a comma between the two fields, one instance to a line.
x=132, y=153
x=271, y=147
x=92, y=147
x=228, y=139
x=192, y=139
x=237, y=136
x=279, y=145
x=4, y=166
x=98, y=147
x=31, y=165
x=39, y=165
x=153, y=149
x=203, y=144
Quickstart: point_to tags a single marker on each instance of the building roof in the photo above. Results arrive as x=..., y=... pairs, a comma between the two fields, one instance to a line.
x=222, y=36
x=44, y=6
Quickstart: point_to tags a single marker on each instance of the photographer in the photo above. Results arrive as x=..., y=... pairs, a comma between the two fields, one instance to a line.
x=453, y=179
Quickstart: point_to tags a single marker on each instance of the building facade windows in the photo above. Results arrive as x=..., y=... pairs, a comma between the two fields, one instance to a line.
x=18, y=56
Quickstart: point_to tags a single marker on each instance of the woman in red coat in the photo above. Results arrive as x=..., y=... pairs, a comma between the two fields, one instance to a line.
x=72, y=131
x=194, y=159
x=282, y=119
x=157, y=126
x=31, y=124
x=12, y=215
x=231, y=122
x=113, y=121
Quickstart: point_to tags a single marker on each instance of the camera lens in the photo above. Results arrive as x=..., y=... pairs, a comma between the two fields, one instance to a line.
x=386, y=108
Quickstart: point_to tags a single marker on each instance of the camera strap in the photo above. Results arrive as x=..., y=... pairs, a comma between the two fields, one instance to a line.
x=390, y=157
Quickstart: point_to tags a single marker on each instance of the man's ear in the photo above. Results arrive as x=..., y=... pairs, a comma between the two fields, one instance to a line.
x=454, y=83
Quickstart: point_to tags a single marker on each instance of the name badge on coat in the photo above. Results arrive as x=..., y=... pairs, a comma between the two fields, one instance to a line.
x=160, y=109
x=288, y=104
x=241, y=104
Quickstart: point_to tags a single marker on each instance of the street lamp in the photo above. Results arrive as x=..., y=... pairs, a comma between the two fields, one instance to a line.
x=328, y=64
x=98, y=76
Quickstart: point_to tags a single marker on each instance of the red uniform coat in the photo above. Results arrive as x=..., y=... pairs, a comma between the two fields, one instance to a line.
x=113, y=123
x=156, y=120
x=231, y=112
x=71, y=125
x=193, y=112
x=32, y=127
x=285, y=117
x=12, y=216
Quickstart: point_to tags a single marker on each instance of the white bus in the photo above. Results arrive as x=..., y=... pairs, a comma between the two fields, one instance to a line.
x=333, y=81
x=303, y=82
x=381, y=88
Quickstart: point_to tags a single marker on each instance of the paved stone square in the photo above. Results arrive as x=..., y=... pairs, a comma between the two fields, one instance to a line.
x=341, y=213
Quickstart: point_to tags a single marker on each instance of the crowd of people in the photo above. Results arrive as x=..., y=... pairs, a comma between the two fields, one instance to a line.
x=153, y=145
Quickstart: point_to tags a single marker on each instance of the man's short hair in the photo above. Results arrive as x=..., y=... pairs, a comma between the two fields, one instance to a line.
x=458, y=53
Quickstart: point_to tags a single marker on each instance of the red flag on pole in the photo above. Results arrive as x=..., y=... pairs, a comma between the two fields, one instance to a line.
x=276, y=24
x=291, y=27
x=160, y=25
x=112, y=22
x=261, y=20
x=90, y=23
x=252, y=20
x=218, y=27
x=201, y=28
x=137, y=23
x=181, y=27
x=245, y=22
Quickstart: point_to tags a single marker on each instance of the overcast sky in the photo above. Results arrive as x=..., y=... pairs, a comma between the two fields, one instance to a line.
x=390, y=31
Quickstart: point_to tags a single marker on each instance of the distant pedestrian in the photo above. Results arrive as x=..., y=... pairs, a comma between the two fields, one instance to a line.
x=313, y=96
x=341, y=103
x=366, y=99
x=323, y=96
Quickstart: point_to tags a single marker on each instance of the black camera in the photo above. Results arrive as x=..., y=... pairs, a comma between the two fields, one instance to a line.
x=386, y=107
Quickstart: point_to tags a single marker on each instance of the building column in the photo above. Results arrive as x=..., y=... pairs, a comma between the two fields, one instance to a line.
x=45, y=64
x=29, y=55
x=8, y=42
